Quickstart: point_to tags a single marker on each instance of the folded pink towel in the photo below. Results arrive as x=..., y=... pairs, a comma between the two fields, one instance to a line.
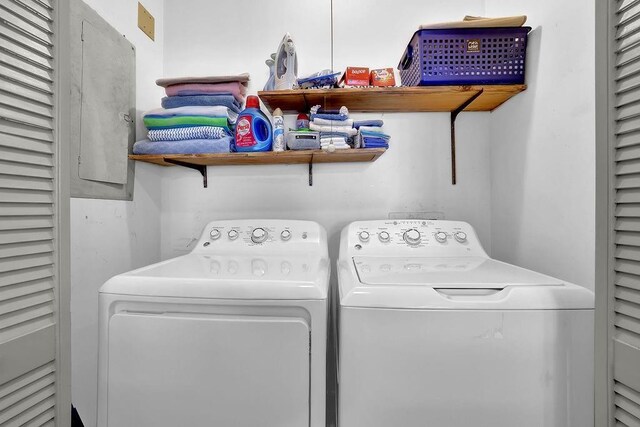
x=235, y=88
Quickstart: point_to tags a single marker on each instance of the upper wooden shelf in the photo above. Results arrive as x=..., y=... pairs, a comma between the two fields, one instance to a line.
x=392, y=99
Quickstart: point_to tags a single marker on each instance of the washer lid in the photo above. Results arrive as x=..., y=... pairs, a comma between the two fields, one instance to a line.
x=467, y=272
x=463, y=283
x=227, y=277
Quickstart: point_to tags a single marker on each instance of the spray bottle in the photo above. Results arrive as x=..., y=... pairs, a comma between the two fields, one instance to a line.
x=278, y=130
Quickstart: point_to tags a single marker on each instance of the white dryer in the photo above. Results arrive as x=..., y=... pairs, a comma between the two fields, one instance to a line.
x=433, y=332
x=231, y=334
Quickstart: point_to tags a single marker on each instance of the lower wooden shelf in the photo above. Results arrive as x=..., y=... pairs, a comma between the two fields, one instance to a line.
x=200, y=162
x=264, y=158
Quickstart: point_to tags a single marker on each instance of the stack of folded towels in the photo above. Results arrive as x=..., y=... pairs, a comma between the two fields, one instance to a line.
x=370, y=134
x=198, y=115
x=335, y=128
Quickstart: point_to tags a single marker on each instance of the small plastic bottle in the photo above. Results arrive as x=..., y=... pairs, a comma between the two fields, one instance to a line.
x=302, y=122
x=278, y=130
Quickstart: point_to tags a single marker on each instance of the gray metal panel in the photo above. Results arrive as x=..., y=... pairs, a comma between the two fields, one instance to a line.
x=108, y=62
x=79, y=13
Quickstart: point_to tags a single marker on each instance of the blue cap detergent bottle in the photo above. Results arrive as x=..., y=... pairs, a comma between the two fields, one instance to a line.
x=253, y=128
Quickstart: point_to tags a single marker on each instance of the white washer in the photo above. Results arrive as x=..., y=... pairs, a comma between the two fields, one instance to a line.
x=433, y=332
x=232, y=334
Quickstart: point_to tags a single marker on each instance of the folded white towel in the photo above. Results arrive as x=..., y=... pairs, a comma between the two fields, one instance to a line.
x=332, y=147
x=335, y=145
x=333, y=140
x=325, y=122
x=321, y=128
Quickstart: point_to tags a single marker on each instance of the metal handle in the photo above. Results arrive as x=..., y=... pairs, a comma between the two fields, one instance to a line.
x=468, y=293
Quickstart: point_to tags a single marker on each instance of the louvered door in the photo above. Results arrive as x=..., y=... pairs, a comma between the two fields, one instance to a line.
x=29, y=213
x=624, y=289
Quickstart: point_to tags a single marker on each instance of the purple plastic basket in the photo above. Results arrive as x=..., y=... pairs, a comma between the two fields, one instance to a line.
x=465, y=56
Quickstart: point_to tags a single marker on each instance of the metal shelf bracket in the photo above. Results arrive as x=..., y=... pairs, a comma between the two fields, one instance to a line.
x=454, y=116
x=200, y=168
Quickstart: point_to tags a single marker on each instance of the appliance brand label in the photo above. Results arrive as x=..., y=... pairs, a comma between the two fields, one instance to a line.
x=473, y=45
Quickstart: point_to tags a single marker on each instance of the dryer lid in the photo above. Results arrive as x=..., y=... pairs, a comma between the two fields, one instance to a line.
x=462, y=272
x=227, y=277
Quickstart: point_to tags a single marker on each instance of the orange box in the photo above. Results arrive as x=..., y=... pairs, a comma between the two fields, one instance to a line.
x=383, y=77
x=355, y=76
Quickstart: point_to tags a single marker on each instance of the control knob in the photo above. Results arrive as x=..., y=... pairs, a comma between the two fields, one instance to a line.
x=215, y=234
x=233, y=234
x=259, y=235
x=441, y=236
x=285, y=235
x=412, y=236
x=384, y=236
x=460, y=236
x=363, y=236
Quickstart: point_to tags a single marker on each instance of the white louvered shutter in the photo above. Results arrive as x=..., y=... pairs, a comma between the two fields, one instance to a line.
x=624, y=292
x=28, y=214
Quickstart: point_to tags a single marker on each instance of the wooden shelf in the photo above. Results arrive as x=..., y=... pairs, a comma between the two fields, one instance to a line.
x=393, y=99
x=200, y=162
x=453, y=99
x=264, y=158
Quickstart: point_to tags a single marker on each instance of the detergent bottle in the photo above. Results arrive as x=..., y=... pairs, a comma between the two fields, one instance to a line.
x=253, y=128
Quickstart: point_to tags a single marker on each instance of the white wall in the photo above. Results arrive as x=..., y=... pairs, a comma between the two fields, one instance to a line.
x=526, y=171
x=110, y=237
x=414, y=175
x=543, y=146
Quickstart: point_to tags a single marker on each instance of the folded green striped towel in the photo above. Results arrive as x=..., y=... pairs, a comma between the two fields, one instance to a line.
x=185, y=121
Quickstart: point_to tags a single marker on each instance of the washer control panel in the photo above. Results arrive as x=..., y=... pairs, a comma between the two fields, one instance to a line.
x=390, y=237
x=274, y=234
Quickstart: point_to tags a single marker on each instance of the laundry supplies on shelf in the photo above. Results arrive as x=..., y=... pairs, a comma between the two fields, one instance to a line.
x=198, y=116
x=335, y=128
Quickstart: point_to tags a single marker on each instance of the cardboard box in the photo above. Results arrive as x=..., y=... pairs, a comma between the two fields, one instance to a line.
x=383, y=77
x=355, y=76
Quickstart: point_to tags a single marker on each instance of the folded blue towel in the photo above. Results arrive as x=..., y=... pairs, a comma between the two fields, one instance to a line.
x=193, y=100
x=376, y=123
x=370, y=142
x=327, y=110
x=329, y=116
x=370, y=145
x=191, y=146
x=381, y=135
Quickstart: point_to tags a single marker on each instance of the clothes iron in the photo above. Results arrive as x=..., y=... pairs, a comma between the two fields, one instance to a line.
x=286, y=65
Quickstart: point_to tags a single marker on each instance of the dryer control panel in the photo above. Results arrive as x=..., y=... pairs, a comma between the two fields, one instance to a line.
x=271, y=235
x=411, y=237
